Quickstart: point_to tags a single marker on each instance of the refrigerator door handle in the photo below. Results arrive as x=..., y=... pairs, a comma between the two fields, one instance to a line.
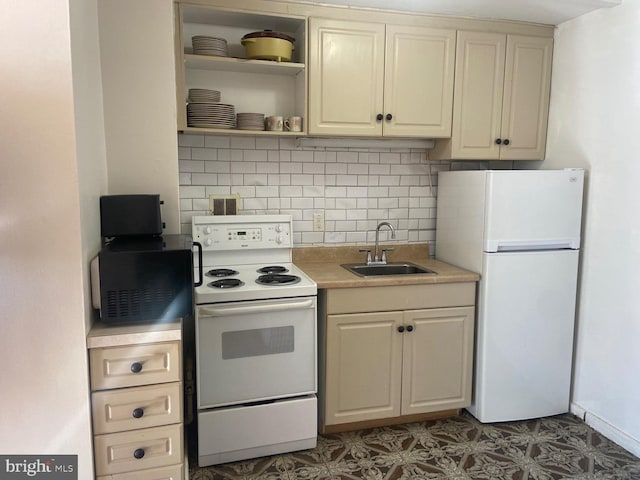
x=523, y=245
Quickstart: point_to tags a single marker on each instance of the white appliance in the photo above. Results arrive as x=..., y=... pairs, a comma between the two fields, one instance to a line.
x=521, y=231
x=255, y=335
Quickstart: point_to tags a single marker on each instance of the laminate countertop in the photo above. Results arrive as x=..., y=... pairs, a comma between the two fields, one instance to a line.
x=323, y=265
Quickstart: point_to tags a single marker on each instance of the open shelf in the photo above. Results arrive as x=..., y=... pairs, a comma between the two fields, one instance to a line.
x=242, y=65
x=234, y=132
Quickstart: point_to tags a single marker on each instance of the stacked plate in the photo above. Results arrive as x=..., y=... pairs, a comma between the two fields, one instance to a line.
x=203, y=45
x=250, y=121
x=211, y=115
x=203, y=95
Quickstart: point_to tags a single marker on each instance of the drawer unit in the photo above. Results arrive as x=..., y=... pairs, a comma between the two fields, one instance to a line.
x=135, y=365
x=138, y=449
x=137, y=407
x=173, y=472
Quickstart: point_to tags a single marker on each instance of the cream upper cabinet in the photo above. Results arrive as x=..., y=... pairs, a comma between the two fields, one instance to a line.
x=501, y=97
x=346, y=63
x=371, y=79
x=525, y=109
x=418, y=93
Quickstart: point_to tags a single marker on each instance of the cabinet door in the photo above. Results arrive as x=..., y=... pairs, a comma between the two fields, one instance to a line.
x=363, y=365
x=346, y=77
x=525, y=108
x=437, y=359
x=418, y=86
x=477, y=105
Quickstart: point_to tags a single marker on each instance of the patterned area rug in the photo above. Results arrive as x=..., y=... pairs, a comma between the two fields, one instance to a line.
x=458, y=448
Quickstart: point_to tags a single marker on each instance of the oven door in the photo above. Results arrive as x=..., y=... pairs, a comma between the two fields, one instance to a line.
x=255, y=350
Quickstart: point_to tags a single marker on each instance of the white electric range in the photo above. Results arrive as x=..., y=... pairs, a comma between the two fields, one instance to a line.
x=256, y=353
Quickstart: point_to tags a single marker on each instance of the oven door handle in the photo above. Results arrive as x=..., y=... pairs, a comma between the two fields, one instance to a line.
x=218, y=312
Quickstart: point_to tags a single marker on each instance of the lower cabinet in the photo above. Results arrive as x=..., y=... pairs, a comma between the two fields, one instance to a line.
x=137, y=411
x=380, y=365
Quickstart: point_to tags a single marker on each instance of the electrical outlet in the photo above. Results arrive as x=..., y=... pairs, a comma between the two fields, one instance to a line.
x=318, y=222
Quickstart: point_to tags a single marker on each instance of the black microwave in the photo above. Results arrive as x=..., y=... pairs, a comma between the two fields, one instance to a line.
x=144, y=279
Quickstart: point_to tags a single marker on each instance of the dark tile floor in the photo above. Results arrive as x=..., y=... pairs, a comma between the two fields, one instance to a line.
x=451, y=449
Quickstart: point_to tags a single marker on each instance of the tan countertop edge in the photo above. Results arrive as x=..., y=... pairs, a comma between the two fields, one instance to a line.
x=102, y=335
x=322, y=264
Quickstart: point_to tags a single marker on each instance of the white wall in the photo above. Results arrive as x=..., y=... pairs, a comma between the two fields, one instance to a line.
x=138, y=78
x=594, y=123
x=44, y=404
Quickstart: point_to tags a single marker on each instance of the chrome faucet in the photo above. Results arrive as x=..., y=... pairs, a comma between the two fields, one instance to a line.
x=377, y=259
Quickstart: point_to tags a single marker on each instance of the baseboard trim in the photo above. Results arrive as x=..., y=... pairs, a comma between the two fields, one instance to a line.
x=611, y=432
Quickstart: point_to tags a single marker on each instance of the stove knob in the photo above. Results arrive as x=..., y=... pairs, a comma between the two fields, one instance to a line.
x=207, y=230
x=208, y=242
x=279, y=239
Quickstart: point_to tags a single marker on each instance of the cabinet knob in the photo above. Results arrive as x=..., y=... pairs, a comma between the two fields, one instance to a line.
x=136, y=367
x=138, y=453
x=389, y=116
x=498, y=141
x=137, y=412
x=401, y=328
x=506, y=141
x=409, y=328
x=379, y=117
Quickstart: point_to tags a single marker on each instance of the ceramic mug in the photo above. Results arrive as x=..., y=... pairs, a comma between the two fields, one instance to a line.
x=274, y=123
x=293, y=124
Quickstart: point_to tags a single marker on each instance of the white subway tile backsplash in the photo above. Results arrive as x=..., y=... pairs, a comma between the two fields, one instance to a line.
x=217, y=142
x=263, y=143
x=301, y=179
x=243, y=143
x=204, y=179
x=357, y=169
x=184, y=153
x=302, y=156
x=313, y=191
x=355, y=188
x=291, y=168
x=346, y=203
x=291, y=191
x=187, y=191
x=347, y=157
x=243, y=167
x=191, y=140
x=255, y=155
x=255, y=179
x=313, y=168
x=204, y=154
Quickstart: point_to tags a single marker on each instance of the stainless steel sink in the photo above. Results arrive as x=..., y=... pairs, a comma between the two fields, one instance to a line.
x=364, y=270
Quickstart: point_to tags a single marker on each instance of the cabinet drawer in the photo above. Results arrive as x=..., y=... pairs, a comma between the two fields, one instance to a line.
x=400, y=297
x=157, y=447
x=174, y=472
x=136, y=407
x=135, y=365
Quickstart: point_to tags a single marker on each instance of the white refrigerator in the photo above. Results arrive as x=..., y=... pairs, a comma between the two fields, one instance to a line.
x=520, y=230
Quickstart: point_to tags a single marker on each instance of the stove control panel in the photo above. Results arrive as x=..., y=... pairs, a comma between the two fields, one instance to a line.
x=242, y=232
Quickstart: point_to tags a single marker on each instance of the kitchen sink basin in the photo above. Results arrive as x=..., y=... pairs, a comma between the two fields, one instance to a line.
x=364, y=270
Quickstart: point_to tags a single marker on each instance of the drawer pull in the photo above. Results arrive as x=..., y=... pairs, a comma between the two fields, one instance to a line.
x=139, y=453
x=137, y=412
x=136, y=367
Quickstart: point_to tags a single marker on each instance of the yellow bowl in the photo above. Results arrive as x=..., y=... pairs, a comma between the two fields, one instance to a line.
x=268, y=48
